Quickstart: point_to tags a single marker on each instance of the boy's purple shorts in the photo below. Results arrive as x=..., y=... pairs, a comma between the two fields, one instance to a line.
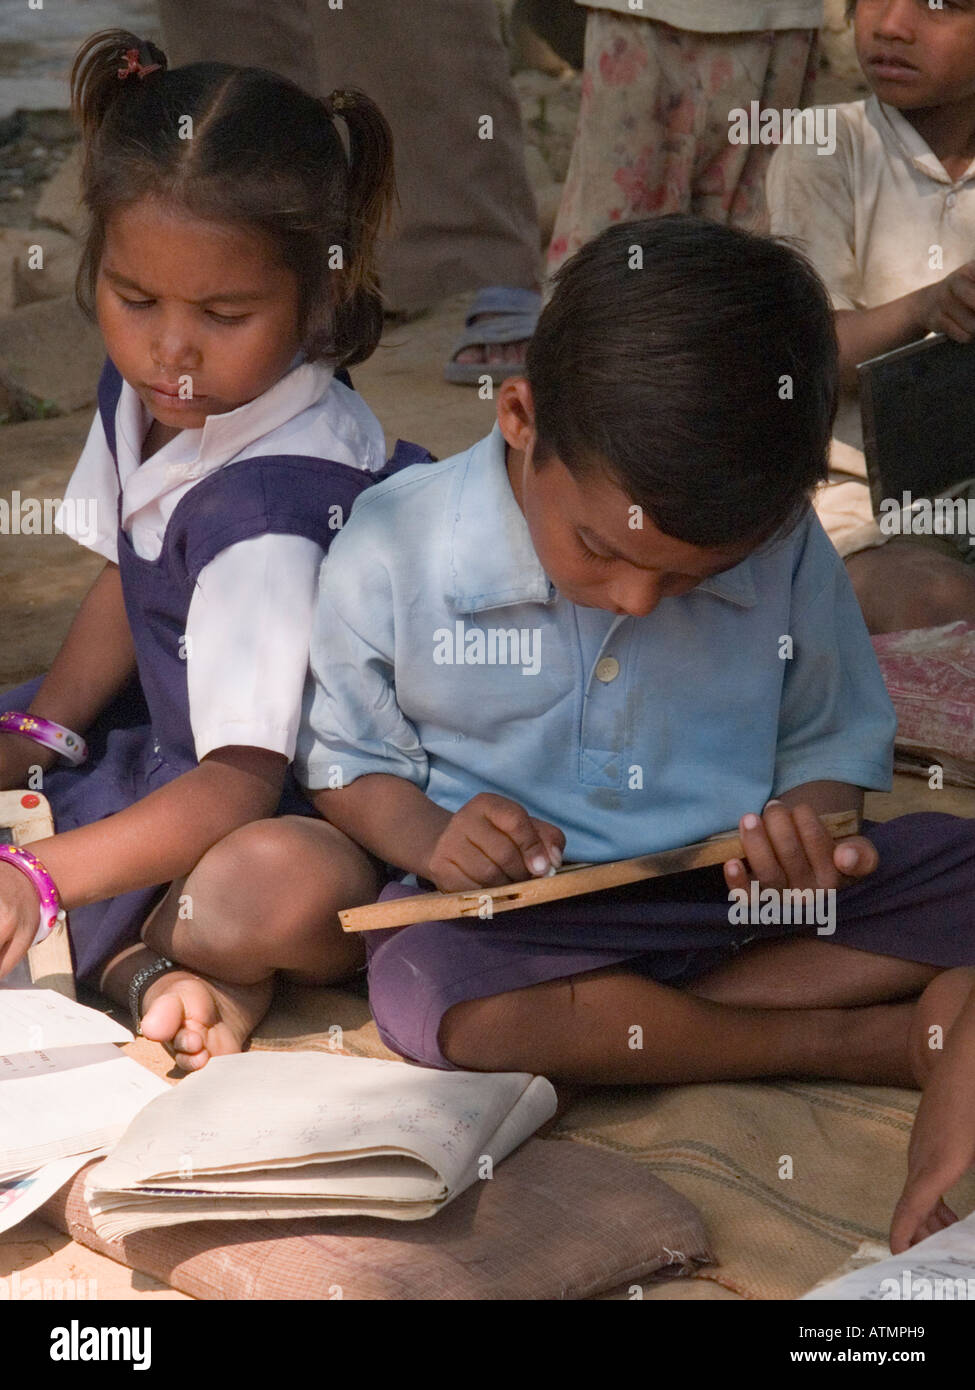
x=918, y=905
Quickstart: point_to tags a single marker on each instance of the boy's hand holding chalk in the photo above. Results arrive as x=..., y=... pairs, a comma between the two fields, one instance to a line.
x=492, y=840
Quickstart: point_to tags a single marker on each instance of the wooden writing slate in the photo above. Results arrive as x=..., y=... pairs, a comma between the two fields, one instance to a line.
x=569, y=882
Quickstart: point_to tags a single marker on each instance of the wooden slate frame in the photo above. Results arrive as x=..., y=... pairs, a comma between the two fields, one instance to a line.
x=568, y=882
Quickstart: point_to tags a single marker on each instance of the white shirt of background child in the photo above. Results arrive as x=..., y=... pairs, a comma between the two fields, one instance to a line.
x=250, y=616
x=878, y=218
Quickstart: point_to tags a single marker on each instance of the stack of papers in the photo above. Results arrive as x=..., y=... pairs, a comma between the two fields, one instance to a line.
x=66, y=1094
x=939, y=1269
x=285, y=1134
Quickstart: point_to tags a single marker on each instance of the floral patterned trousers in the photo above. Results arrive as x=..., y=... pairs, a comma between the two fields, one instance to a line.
x=653, y=128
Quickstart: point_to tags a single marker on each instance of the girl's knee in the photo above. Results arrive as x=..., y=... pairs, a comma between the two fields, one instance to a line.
x=284, y=856
x=256, y=850
x=937, y=1012
x=944, y=589
x=240, y=876
x=906, y=584
x=271, y=878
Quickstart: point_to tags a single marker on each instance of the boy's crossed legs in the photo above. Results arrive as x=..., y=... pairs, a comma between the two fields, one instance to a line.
x=795, y=1008
x=266, y=899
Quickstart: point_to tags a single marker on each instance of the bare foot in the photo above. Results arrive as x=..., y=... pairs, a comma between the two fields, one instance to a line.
x=196, y=1018
x=934, y=1014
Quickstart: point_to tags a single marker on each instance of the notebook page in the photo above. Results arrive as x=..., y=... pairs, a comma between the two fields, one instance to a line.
x=116, y=1223
x=940, y=1268
x=34, y=1020
x=534, y=1106
x=68, y=1101
x=365, y=1178
x=252, y=1110
x=23, y=1195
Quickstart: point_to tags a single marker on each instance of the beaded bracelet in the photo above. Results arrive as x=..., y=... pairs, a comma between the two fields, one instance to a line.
x=45, y=732
x=141, y=981
x=52, y=913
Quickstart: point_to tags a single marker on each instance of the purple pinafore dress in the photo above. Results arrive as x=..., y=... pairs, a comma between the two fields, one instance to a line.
x=144, y=739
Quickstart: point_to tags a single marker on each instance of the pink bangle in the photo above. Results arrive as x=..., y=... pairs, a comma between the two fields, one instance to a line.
x=52, y=913
x=45, y=732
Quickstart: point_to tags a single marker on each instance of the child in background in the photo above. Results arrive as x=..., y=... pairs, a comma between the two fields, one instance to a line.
x=889, y=223
x=223, y=458
x=613, y=627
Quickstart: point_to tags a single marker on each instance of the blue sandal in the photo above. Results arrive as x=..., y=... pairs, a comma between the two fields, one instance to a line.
x=514, y=314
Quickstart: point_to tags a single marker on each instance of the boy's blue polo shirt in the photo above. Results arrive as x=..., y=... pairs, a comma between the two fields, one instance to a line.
x=441, y=653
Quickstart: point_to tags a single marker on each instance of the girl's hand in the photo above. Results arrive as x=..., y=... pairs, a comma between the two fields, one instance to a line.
x=793, y=849
x=19, y=915
x=950, y=305
x=491, y=841
x=942, y=1149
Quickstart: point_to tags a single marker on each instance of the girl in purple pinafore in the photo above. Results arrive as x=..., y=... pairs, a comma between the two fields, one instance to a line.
x=229, y=264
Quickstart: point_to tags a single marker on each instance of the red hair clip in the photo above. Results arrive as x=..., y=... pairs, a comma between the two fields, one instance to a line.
x=132, y=65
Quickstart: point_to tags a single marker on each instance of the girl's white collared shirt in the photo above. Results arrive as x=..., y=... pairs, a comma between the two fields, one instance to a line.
x=250, y=618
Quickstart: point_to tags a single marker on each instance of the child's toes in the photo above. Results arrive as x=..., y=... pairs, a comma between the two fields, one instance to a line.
x=190, y=1039
x=191, y=1061
x=163, y=1019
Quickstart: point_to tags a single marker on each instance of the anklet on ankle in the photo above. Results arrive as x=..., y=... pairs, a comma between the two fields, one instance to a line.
x=140, y=982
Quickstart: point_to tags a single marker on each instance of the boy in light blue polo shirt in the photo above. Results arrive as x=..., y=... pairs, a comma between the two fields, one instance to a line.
x=449, y=659
x=615, y=626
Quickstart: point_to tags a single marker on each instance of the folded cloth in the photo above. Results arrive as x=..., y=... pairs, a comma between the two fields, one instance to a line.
x=556, y=1221
x=930, y=676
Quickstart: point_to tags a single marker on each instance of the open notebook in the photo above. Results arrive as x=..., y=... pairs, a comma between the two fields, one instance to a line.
x=289, y=1134
x=65, y=1088
x=66, y=1093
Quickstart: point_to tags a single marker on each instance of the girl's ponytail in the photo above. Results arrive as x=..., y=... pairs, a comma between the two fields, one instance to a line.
x=357, y=320
x=106, y=64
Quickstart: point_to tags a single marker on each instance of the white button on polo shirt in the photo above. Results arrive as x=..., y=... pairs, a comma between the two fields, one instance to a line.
x=607, y=669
